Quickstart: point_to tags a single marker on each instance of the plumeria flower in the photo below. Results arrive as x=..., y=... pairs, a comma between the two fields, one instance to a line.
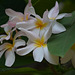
x=70, y=55
x=39, y=47
x=9, y=49
x=8, y=32
x=38, y=24
x=15, y=17
x=53, y=16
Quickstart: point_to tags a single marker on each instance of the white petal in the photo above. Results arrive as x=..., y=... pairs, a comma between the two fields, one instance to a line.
x=26, y=25
x=73, y=60
x=25, y=50
x=45, y=17
x=58, y=28
x=67, y=57
x=60, y=16
x=51, y=58
x=31, y=35
x=13, y=13
x=36, y=31
x=32, y=10
x=29, y=42
x=7, y=29
x=19, y=42
x=48, y=33
x=18, y=34
x=54, y=11
x=2, y=37
x=10, y=58
x=3, y=46
x=8, y=37
x=15, y=19
x=1, y=53
x=42, y=32
x=29, y=8
x=4, y=25
x=38, y=54
x=37, y=16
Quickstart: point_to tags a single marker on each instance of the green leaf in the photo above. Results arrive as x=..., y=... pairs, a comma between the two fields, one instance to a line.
x=25, y=70
x=61, y=43
x=72, y=72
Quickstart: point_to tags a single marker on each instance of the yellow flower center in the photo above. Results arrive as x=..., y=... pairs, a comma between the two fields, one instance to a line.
x=39, y=42
x=40, y=24
x=73, y=47
x=9, y=47
x=27, y=17
x=52, y=18
x=22, y=19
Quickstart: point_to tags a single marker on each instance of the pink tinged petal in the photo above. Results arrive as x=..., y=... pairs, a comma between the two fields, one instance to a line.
x=58, y=28
x=19, y=43
x=29, y=3
x=11, y=24
x=4, y=25
x=51, y=58
x=27, y=7
x=38, y=54
x=1, y=53
x=68, y=56
x=10, y=58
x=45, y=17
x=27, y=25
x=73, y=60
x=54, y=11
x=26, y=50
x=31, y=35
x=60, y=16
x=12, y=13
x=15, y=19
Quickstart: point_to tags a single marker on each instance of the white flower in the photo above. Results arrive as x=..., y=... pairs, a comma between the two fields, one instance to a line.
x=37, y=24
x=53, y=16
x=70, y=55
x=39, y=46
x=8, y=31
x=9, y=49
x=18, y=16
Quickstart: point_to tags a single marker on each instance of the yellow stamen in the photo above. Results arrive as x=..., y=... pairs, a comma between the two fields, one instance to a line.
x=40, y=24
x=27, y=17
x=39, y=42
x=22, y=19
x=73, y=47
x=52, y=18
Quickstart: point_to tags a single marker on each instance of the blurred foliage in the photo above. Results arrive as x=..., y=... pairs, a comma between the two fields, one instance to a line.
x=26, y=61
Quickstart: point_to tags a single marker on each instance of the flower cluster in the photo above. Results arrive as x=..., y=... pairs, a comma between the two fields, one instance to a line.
x=38, y=30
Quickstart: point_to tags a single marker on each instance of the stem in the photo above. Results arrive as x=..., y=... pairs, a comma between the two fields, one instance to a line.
x=53, y=69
